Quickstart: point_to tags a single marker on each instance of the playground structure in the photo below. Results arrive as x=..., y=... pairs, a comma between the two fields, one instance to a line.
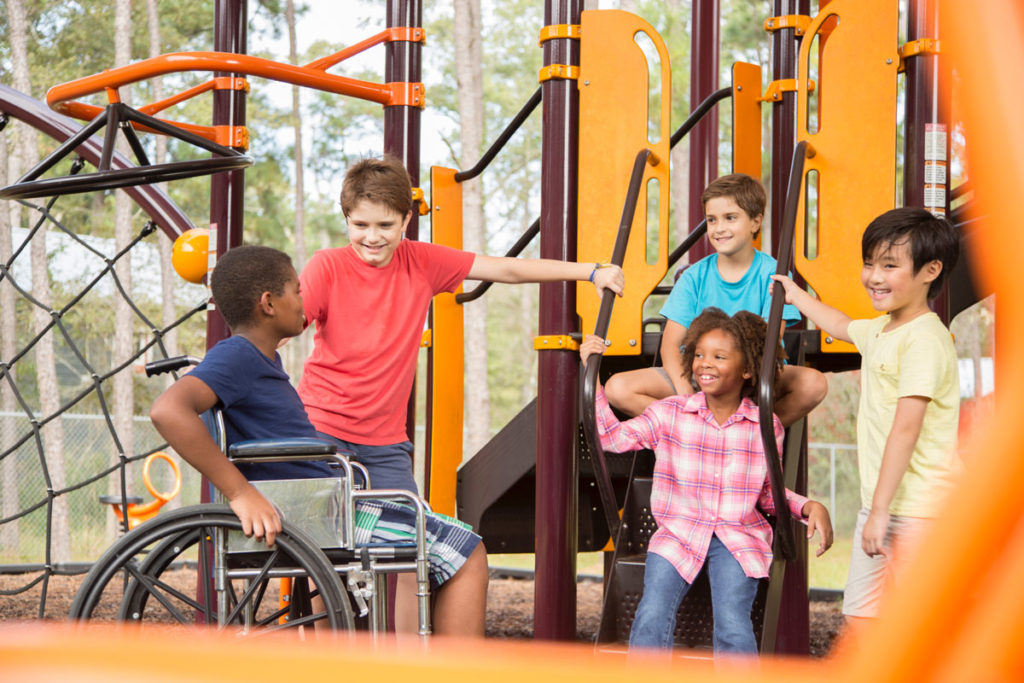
x=558, y=367
x=135, y=511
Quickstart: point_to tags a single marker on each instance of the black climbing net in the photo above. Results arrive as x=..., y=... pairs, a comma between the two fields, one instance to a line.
x=55, y=462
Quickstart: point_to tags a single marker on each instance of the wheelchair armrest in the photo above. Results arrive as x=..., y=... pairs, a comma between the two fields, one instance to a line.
x=255, y=448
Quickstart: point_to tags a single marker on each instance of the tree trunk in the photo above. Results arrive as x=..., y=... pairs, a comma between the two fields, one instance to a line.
x=679, y=184
x=168, y=278
x=123, y=393
x=469, y=80
x=46, y=373
x=8, y=344
x=298, y=349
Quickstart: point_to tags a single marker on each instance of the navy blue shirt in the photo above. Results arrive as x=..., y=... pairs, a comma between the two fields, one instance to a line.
x=259, y=402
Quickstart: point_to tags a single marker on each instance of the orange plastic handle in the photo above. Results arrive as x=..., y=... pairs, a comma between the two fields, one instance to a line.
x=165, y=497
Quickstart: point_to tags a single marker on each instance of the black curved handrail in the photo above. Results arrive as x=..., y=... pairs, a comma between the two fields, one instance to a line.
x=766, y=382
x=505, y=136
x=697, y=114
x=515, y=250
x=604, y=482
x=692, y=120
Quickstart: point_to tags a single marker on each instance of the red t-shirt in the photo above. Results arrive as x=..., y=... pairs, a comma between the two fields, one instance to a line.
x=369, y=322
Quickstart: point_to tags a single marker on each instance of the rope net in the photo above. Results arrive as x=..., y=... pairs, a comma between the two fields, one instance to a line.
x=55, y=462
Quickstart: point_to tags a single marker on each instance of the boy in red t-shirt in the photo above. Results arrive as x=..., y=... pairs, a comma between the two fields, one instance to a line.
x=369, y=300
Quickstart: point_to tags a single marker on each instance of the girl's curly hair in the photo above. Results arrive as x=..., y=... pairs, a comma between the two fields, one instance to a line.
x=749, y=331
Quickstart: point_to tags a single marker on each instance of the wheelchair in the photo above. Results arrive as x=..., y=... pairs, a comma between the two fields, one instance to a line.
x=192, y=566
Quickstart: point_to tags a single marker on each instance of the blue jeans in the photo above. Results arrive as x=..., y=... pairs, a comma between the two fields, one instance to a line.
x=732, y=596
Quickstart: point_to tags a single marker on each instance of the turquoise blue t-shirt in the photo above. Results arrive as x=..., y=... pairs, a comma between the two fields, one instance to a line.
x=701, y=286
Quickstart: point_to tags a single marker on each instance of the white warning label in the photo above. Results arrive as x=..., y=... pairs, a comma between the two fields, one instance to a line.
x=934, y=195
x=935, y=142
x=934, y=173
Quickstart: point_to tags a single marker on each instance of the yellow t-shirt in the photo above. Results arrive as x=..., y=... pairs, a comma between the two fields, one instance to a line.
x=916, y=359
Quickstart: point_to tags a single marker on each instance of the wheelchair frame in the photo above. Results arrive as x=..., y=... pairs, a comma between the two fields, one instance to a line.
x=143, y=554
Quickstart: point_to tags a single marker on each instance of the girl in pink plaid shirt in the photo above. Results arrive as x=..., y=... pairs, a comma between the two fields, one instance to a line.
x=710, y=477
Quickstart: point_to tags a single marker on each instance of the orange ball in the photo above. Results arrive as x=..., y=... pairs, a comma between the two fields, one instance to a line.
x=190, y=256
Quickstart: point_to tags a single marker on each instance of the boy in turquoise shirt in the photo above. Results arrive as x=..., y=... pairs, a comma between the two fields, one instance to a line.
x=735, y=278
x=910, y=394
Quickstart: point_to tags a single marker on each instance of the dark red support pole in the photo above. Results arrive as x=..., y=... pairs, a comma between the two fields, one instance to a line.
x=785, y=49
x=704, y=55
x=927, y=123
x=226, y=189
x=793, y=636
x=554, y=607
x=402, y=64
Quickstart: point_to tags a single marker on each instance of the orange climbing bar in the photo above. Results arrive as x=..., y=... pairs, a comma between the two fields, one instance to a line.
x=412, y=34
x=63, y=98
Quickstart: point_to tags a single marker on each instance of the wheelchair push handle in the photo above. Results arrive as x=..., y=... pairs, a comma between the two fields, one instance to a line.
x=159, y=367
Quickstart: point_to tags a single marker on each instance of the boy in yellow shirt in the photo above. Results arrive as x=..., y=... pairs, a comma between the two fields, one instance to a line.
x=910, y=393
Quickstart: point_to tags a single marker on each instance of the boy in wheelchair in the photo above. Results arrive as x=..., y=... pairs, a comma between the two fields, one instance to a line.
x=256, y=289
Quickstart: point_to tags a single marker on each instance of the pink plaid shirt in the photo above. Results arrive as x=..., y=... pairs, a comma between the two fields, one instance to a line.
x=708, y=478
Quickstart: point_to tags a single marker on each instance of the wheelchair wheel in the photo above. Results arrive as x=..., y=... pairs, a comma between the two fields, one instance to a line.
x=164, y=571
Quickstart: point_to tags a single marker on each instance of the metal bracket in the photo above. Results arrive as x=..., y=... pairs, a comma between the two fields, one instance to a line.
x=916, y=48
x=559, y=71
x=571, y=31
x=410, y=34
x=799, y=22
x=555, y=342
x=231, y=83
x=777, y=88
x=232, y=136
x=360, y=585
x=417, y=196
x=406, y=94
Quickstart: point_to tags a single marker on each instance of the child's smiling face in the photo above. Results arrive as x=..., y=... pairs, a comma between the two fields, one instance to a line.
x=890, y=280
x=730, y=229
x=375, y=231
x=719, y=366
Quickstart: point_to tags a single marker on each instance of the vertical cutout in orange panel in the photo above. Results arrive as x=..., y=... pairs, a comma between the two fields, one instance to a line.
x=855, y=141
x=446, y=381
x=619, y=85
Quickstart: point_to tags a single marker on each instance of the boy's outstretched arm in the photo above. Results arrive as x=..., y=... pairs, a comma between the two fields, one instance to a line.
x=175, y=414
x=832, y=320
x=899, y=447
x=518, y=270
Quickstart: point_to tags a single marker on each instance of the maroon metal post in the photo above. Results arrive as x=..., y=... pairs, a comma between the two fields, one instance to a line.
x=704, y=55
x=554, y=607
x=927, y=108
x=793, y=636
x=402, y=64
x=227, y=189
x=785, y=49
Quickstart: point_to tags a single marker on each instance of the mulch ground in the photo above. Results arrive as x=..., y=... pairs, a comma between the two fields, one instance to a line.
x=509, y=608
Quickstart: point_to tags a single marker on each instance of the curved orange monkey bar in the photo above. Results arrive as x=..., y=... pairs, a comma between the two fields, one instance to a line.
x=63, y=98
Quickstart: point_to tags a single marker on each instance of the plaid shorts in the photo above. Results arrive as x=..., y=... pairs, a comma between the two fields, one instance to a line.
x=449, y=541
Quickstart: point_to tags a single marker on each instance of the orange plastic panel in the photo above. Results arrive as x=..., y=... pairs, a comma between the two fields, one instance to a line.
x=746, y=122
x=446, y=382
x=613, y=129
x=855, y=145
